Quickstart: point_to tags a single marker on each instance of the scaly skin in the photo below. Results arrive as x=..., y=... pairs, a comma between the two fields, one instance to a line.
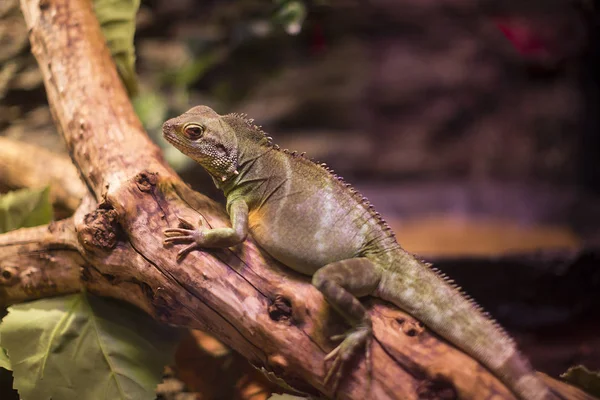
x=311, y=221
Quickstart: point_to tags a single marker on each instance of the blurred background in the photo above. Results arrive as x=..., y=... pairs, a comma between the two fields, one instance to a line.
x=472, y=126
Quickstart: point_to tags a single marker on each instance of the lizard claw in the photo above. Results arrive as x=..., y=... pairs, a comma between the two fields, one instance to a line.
x=344, y=351
x=186, y=233
x=183, y=223
x=173, y=234
x=335, y=338
x=182, y=253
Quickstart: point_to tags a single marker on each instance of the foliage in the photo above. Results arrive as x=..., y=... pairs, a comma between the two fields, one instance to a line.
x=25, y=208
x=583, y=378
x=291, y=15
x=4, y=360
x=85, y=347
x=78, y=346
x=81, y=346
x=151, y=109
x=117, y=21
x=286, y=397
x=20, y=209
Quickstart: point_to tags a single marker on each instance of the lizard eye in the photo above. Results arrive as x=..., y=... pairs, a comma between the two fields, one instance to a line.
x=193, y=131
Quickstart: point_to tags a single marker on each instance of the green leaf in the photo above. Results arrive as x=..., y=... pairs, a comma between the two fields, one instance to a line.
x=286, y=396
x=193, y=70
x=117, y=21
x=85, y=347
x=583, y=378
x=291, y=15
x=151, y=108
x=24, y=208
x=4, y=360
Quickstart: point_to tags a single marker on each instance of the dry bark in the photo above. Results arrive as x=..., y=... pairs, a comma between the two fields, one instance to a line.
x=39, y=262
x=270, y=315
x=17, y=171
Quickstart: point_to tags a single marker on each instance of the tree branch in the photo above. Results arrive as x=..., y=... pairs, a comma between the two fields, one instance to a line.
x=272, y=316
x=39, y=262
x=17, y=171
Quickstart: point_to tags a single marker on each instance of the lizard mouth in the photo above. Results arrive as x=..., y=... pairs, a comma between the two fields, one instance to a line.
x=169, y=130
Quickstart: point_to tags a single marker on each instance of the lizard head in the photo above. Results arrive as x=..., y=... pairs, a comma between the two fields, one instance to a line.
x=204, y=136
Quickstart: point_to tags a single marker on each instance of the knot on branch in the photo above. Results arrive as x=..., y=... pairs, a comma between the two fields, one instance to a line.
x=437, y=389
x=32, y=279
x=146, y=181
x=8, y=276
x=281, y=309
x=100, y=230
x=410, y=327
x=44, y=4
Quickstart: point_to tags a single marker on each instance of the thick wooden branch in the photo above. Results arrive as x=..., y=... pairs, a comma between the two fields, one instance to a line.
x=272, y=316
x=39, y=262
x=92, y=111
x=17, y=170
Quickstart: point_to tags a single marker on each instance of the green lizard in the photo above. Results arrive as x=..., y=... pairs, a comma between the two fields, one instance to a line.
x=309, y=219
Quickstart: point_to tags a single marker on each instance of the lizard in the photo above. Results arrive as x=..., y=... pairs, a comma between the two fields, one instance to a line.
x=312, y=221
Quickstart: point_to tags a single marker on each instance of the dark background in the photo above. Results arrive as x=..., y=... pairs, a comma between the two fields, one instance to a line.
x=473, y=127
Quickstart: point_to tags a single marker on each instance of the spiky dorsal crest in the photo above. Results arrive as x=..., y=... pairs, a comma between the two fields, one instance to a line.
x=467, y=297
x=245, y=126
x=242, y=123
x=344, y=186
x=293, y=154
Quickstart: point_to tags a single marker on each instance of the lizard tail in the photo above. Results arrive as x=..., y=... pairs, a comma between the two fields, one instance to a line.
x=517, y=373
x=432, y=298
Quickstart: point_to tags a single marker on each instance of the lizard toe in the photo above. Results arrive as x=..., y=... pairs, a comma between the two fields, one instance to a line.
x=184, y=223
x=177, y=231
x=341, y=355
x=172, y=239
x=183, y=252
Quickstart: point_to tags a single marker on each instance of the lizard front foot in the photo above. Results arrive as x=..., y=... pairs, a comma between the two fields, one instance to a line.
x=353, y=340
x=186, y=233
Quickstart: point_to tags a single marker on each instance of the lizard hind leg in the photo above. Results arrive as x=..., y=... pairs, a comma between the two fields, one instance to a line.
x=341, y=282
